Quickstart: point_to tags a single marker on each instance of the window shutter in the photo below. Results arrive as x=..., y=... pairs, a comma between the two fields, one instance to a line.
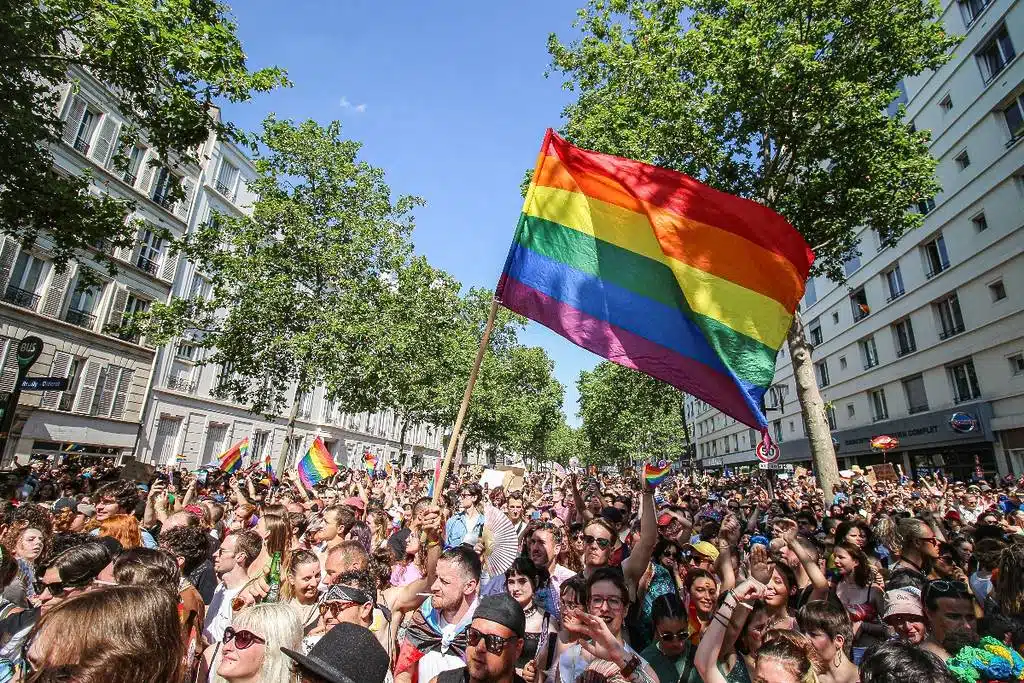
x=55, y=292
x=76, y=112
x=124, y=384
x=8, y=253
x=9, y=366
x=169, y=266
x=106, y=399
x=147, y=174
x=87, y=387
x=117, y=302
x=61, y=366
x=182, y=207
x=105, y=140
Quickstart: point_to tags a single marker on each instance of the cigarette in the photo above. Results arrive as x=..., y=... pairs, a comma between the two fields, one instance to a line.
x=423, y=595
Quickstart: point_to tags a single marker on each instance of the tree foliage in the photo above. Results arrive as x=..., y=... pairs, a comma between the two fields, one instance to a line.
x=628, y=415
x=300, y=287
x=167, y=63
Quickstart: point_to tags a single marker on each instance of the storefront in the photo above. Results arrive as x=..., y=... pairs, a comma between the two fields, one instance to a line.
x=950, y=440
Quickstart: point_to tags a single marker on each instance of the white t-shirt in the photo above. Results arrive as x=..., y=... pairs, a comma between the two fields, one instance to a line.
x=218, y=613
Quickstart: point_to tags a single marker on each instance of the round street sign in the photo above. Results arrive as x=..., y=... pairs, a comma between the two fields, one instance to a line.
x=29, y=349
x=767, y=451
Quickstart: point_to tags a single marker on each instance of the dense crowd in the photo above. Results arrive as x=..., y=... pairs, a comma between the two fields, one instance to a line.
x=558, y=577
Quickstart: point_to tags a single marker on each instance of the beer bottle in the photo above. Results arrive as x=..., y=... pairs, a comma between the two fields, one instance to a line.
x=274, y=581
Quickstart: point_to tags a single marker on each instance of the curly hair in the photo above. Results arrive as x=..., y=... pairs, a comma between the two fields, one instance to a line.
x=188, y=542
x=1008, y=590
x=28, y=517
x=125, y=528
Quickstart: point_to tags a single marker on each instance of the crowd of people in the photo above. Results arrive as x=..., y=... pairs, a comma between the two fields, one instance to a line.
x=558, y=577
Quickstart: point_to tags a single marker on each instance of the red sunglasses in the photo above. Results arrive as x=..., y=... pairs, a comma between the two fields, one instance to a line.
x=243, y=639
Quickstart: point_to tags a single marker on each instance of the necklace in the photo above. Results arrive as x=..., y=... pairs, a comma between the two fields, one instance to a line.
x=530, y=611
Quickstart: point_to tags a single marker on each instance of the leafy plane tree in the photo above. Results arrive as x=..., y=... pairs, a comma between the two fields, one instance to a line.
x=781, y=101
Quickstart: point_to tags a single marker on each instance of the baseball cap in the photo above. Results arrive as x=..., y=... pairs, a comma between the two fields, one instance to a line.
x=504, y=610
x=665, y=519
x=704, y=548
x=903, y=601
x=355, y=502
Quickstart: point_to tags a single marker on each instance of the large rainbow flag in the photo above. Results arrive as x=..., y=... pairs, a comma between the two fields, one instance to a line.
x=316, y=465
x=231, y=459
x=655, y=271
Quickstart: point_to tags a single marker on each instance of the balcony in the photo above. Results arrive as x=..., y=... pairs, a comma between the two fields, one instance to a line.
x=130, y=178
x=21, y=297
x=148, y=265
x=81, y=145
x=904, y=350
x=225, y=190
x=936, y=268
x=895, y=295
x=80, y=319
x=163, y=200
x=183, y=384
x=948, y=332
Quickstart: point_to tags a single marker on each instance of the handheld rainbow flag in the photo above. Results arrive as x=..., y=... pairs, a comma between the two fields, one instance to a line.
x=654, y=271
x=231, y=459
x=437, y=475
x=316, y=465
x=654, y=474
x=369, y=461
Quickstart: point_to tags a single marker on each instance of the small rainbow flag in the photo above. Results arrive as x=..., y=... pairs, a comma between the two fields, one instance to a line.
x=369, y=461
x=655, y=474
x=437, y=475
x=231, y=459
x=316, y=465
x=657, y=272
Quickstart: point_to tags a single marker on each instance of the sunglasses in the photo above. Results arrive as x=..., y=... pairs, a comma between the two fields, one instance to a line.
x=602, y=543
x=336, y=607
x=494, y=644
x=672, y=637
x=56, y=588
x=945, y=588
x=243, y=639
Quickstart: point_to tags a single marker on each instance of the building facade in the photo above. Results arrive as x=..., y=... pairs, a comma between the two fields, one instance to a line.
x=125, y=397
x=925, y=340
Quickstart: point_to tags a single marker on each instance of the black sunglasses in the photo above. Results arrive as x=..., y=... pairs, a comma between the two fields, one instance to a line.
x=672, y=637
x=56, y=588
x=243, y=639
x=494, y=644
x=602, y=543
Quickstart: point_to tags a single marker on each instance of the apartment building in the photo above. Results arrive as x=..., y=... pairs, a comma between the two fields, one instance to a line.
x=125, y=397
x=925, y=340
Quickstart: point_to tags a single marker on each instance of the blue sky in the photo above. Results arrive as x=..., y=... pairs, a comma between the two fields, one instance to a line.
x=449, y=98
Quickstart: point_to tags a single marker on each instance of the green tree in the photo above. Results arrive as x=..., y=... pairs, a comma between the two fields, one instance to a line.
x=300, y=286
x=628, y=415
x=563, y=443
x=168, y=64
x=781, y=101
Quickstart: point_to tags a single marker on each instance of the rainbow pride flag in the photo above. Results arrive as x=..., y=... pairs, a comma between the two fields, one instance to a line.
x=316, y=465
x=655, y=473
x=654, y=271
x=369, y=461
x=231, y=459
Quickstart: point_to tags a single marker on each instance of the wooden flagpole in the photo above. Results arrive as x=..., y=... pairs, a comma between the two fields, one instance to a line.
x=453, y=442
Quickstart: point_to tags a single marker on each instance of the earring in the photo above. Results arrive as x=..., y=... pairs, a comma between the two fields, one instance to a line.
x=839, y=658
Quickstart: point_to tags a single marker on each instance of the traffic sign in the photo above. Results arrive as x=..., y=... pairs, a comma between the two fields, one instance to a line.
x=44, y=384
x=767, y=451
x=28, y=352
x=785, y=467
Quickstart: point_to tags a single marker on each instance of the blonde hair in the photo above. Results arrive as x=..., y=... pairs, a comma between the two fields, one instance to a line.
x=795, y=652
x=278, y=625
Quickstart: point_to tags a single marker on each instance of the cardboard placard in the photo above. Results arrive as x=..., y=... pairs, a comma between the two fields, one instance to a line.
x=138, y=471
x=883, y=472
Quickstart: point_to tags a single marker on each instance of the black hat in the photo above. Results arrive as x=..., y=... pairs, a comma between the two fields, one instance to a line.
x=612, y=514
x=348, y=653
x=502, y=609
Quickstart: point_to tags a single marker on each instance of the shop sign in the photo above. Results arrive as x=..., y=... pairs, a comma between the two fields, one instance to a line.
x=963, y=423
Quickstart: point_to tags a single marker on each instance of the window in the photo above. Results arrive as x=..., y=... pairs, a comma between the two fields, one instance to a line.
x=80, y=308
x=995, y=54
x=997, y=290
x=1017, y=364
x=894, y=283
x=980, y=222
x=226, y=178
x=134, y=305
x=162, y=187
x=792, y=427
x=751, y=437
x=135, y=156
x=842, y=362
x=149, y=251
x=964, y=381
x=850, y=411
x=879, y=409
x=67, y=398
x=26, y=277
x=970, y=9
x=186, y=350
x=962, y=160
x=777, y=429
x=903, y=330
x=859, y=305
x=830, y=415
x=815, y=333
x=735, y=442
x=951, y=321
x=199, y=288
x=946, y=103
x=111, y=392
x=868, y=352
x=835, y=317
x=305, y=401
x=926, y=206
x=852, y=265
x=936, y=259
x=1014, y=116
x=917, y=400
x=85, y=130
x=810, y=294
x=821, y=369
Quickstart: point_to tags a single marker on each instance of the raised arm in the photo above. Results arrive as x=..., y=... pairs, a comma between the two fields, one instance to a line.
x=713, y=640
x=808, y=561
x=583, y=515
x=634, y=566
x=411, y=596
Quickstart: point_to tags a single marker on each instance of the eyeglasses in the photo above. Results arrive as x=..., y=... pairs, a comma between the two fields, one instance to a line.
x=945, y=589
x=243, y=639
x=930, y=540
x=56, y=588
x=612, y=602
x=494, y=644
x=335, y=607
x=672, y=637
x=602, y=543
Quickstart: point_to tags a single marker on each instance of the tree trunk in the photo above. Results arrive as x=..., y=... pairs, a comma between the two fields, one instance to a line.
x=401, y=444
x=819, y=436
x=293, y=415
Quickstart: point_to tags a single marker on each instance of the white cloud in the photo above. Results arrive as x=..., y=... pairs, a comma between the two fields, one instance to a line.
x=357, y=108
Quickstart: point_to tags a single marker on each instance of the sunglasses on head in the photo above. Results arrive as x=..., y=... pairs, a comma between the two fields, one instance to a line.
x=945, y=589
x=243, y=639
x=494, y=644
x=602, y=543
